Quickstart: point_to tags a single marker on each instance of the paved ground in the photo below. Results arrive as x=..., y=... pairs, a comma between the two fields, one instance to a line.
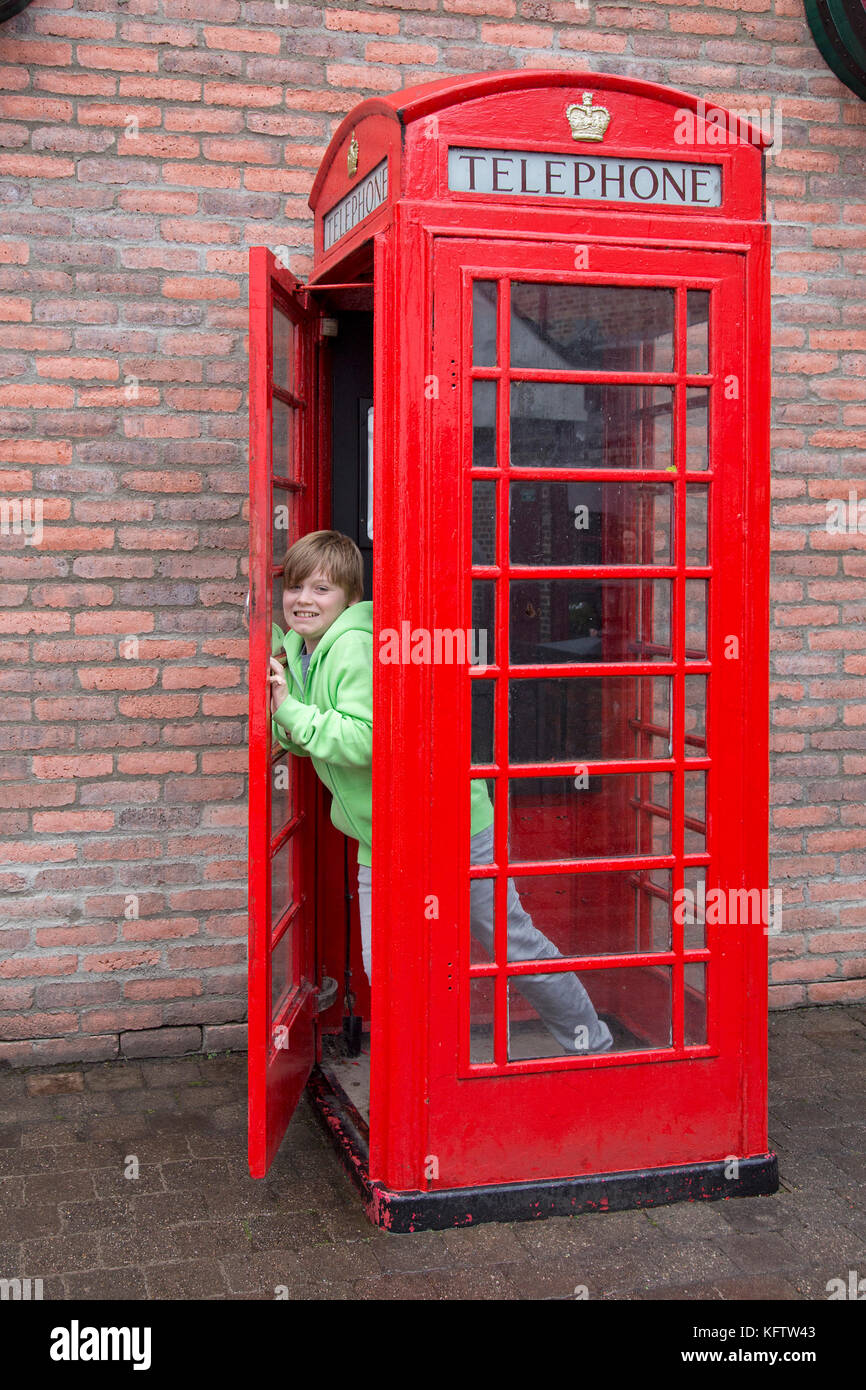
x=194, y=1225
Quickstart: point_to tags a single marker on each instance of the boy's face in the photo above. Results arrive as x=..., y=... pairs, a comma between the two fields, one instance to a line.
x=313, y=605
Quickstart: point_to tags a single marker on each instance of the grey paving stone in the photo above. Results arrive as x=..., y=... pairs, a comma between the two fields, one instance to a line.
x=132, y=1245
x=764, y=1251
x=209, y=1239
x=113, y=1182
x=125, y=1285
x=691, y=1220
x=58, y=1187
x=61, y=1254
x=412, y=1253
x=285, y=1231
x=93, y=1216
x=759, y=1289
x=674, y=1293
x=189, y=1279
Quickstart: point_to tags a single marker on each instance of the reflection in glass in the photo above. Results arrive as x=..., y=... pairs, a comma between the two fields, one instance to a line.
x=277, y=615
x=281, y=793
x=556, y=620
x=285, y=513
x=481, y=1015
x=483, y=697
x=484, y=620
x=484, y=424
x=284, y=350
x=634, y=1001
x=484, y=323
x=588, y=816
x=591, y=914
x=695, y=1002
x=282, y=973
x=482, y=797
x=695, y=832
x=589, y=718
x=697, y=427
x=283, y=439
x=694, y=904
x=697, y=332
x=591, y=523
x=567, y=425
x=588, y=327
x=696, y=523
x=696, y=619
x=483, y=521
x=696, y=716
x=282, y=879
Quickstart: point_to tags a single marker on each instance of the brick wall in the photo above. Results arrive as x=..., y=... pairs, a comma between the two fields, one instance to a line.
x=145, y=146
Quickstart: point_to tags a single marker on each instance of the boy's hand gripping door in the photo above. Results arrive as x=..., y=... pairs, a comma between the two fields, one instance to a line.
x=282, y=1000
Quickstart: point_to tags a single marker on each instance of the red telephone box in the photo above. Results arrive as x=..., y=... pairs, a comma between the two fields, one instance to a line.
x=529, y=374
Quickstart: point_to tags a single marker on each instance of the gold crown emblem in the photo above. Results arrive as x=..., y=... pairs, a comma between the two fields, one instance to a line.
x=352, y=157
x=587, y=122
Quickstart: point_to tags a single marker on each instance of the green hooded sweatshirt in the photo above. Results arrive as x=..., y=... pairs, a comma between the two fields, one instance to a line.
x=329, y=718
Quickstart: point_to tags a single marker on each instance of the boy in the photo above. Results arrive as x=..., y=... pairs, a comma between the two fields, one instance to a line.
x=328, y=715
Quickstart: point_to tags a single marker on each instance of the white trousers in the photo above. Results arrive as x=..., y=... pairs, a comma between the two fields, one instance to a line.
x=560, y=999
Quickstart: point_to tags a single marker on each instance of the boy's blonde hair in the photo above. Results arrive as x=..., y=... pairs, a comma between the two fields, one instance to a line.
x=332, y=552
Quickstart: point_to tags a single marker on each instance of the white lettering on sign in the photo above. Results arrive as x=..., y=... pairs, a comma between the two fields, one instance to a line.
x=526, y=173
x=370, y=194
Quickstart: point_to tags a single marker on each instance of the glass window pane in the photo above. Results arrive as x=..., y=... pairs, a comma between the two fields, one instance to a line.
x=483, y=697
x=282, y=970
x=698, y=332
x=285, y=514
x=277, y=615
x=482, y=798
x=484, y=522
x=284, y=350
x=484, y=294
x=585, y=719
x=282, y=879
x=696, y=716
x=633, y=1001
x=586, y=327
x=691, y=907
x=697, y=496
x=282, y=790
x=588, y=816
x=696, y=619
x=555, y=620
x=697, y=427
x=484, y=424
x=589, y=523
x=588, y=914
x=484, y=620
x=481, y=1014
x=568, y=425
x=695, y=1004
x=283, y=440
x=695, y=833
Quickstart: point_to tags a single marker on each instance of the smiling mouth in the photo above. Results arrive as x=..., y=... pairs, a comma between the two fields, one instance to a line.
x=305, y=615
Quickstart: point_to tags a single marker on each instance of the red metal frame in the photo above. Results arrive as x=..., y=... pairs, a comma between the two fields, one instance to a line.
x=437, y=1121
x=281, y=1033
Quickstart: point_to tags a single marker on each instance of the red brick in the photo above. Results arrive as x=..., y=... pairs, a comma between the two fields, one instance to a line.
x=240, y=94
x=351, y=21
x=242, y=40
x=83, y=765
x=34, y=53
x=117, y=58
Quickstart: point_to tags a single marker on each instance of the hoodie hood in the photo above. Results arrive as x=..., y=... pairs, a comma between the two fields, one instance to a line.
x=357, y=617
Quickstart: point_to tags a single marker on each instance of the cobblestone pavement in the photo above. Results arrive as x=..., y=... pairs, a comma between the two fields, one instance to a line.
x=194, y=1225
